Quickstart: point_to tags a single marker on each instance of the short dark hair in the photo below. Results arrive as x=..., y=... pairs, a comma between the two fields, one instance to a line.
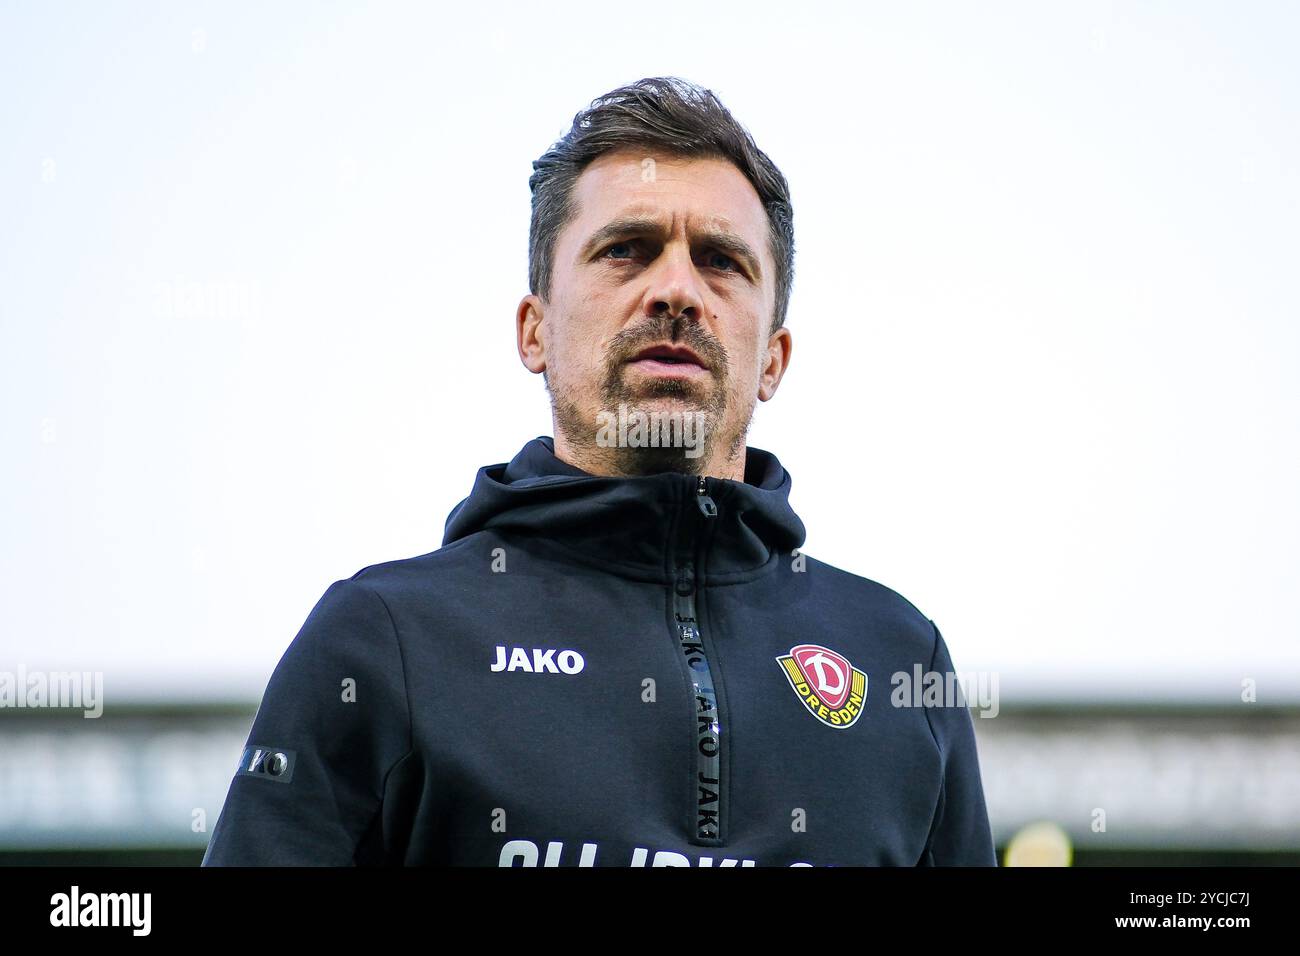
x=669, y=115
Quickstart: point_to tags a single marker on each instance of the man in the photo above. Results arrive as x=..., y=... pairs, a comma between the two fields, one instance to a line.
x=619, y=656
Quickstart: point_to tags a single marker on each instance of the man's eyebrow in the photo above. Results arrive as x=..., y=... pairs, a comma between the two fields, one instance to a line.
x=626, y=226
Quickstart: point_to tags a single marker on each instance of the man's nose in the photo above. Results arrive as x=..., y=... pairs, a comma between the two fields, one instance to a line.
x=674, y=285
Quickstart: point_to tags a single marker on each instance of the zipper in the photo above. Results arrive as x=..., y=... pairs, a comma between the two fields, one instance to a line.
x=707, y=814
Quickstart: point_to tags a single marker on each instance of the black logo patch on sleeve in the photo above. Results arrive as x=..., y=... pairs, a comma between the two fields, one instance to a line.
x=270, y=763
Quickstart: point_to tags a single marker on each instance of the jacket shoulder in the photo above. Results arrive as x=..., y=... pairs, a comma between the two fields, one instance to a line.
x=390, y=578
x=864, y=601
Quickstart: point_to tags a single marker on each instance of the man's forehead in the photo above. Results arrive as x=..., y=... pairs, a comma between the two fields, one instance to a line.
x=706, y=192
x=665, y=216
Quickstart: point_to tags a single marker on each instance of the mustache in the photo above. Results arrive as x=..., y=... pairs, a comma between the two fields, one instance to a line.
x=628, y=342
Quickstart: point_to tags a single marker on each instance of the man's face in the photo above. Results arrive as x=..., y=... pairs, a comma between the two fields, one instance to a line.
x=668, y=255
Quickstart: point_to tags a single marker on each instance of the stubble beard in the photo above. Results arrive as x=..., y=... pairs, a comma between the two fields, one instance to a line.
x=684, y=398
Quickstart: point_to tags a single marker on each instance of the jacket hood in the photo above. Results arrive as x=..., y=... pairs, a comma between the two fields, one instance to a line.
x=635, y=526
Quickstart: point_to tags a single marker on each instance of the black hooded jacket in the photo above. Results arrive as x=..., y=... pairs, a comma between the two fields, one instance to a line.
x=612, y=672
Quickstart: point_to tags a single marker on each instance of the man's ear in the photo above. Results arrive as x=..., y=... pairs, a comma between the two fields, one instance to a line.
x=528, y=333
x=779, y=347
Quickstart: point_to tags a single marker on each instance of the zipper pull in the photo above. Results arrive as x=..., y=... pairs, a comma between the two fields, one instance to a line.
x=686, y=579
x=704, y=501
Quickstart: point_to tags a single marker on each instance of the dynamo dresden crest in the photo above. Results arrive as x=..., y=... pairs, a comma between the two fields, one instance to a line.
x=831, y=688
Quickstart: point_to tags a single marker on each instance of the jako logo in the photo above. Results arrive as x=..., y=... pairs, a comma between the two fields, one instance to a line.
x=268, y=763
x=548, y=661
x=102, y=909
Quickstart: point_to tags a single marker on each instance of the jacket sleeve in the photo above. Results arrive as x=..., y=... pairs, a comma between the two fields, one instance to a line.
x=332, y=724
x=960, y=834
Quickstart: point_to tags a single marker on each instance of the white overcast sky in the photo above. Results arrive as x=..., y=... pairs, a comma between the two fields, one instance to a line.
x=1044, y=381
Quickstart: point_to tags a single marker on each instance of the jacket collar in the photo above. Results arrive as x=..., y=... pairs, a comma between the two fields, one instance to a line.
x=640, y=527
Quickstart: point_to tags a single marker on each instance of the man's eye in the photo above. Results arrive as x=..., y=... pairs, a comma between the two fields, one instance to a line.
x=735, y=266
x=620, y=245
x=627, y=250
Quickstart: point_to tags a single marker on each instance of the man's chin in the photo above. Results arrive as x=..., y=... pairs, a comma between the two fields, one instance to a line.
x=665, y=395
x=681, y=405
x=653, y=461
x=685, y=390
x=657, y=432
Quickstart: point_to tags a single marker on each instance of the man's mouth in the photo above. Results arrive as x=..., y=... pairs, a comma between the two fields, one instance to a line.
x=670, y=361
